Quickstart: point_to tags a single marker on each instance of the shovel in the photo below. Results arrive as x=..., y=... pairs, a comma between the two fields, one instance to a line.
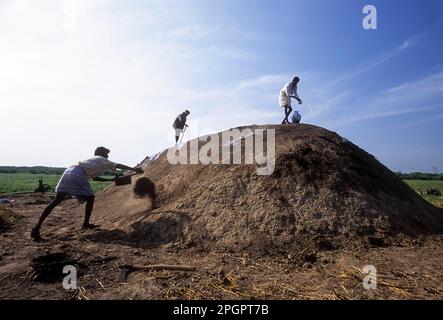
x=125, y=270
x=124, y=180
x=183, y=134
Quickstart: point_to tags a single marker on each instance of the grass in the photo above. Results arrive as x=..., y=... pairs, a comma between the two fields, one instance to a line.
x=28, y=182
x=421, y=185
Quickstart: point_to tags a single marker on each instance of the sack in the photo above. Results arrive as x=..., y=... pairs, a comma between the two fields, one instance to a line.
x=296, y=117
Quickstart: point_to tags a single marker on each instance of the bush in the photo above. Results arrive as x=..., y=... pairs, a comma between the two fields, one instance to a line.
x=432, y=192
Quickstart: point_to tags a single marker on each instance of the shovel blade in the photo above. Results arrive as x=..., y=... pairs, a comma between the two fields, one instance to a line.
x=122, y=181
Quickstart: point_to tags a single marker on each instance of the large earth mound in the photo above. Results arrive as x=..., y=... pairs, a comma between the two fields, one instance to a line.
x=324, y=191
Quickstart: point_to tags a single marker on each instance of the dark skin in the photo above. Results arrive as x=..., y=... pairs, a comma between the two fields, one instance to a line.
x=288, y=111
x=59, y=197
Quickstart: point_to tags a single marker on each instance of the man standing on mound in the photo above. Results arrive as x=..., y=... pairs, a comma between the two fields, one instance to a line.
x=74, y=182
x=179, y=124
x=286, y=93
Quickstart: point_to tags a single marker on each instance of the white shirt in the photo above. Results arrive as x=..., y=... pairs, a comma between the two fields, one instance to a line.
x=94, y=166
x=286, y=93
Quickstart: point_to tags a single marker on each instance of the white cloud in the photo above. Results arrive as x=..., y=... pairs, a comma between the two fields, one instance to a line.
x=330, y=99
x=387, y=113
x=77, y=74
x=420, y=122
x=418, y=96
x=433, y=82
x=264, y=82
x=191, y=32
x=381, y=59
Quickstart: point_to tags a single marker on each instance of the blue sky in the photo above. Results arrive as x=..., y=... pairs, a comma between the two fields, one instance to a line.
x=77, y=74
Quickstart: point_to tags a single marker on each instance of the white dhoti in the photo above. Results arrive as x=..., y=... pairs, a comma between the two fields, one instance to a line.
x=284, y=100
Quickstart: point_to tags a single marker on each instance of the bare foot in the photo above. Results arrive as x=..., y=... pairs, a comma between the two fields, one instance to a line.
x=89, y=226
x=35, y=235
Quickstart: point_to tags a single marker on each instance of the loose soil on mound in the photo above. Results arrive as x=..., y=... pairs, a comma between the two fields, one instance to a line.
x=324, y=189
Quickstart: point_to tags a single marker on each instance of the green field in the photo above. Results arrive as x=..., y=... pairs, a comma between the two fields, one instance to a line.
x=28, y=182
x=421, y=185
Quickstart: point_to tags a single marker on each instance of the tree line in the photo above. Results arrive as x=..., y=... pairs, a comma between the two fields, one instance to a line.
x=420, y=176
x=32, y=170
x=40, y=170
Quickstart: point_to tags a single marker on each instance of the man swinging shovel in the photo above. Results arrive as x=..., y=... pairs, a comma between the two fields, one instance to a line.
x=180, y=125
x=74, y=182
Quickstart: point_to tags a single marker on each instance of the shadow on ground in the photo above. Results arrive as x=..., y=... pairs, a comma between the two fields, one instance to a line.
x=167, y=228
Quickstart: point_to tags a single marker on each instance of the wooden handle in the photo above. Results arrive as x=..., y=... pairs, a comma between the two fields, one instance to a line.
x=159, y=267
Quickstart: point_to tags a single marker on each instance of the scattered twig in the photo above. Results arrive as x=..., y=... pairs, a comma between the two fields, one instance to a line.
x=104, y=259
x=4, y=278
x=74, y=294
x=433, y=291
x=26, y=277
x=83, y=293
x=224, y=289
x=101, y=285
x=158, y=267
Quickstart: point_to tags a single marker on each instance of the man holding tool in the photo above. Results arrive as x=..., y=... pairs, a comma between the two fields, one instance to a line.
x=74, y=182
x=180, y=124
x=286, y=93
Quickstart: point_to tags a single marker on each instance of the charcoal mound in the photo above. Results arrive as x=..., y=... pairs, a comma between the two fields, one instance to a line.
x=324, y=189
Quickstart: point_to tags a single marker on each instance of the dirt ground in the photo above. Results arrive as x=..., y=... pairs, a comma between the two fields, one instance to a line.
x=410, y=269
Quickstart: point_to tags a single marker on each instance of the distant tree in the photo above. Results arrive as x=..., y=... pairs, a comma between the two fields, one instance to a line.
x=32, y=170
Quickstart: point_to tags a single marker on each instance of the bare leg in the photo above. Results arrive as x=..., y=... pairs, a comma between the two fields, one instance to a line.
x=35, y=234
x=88, y=212
x=288, y=111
